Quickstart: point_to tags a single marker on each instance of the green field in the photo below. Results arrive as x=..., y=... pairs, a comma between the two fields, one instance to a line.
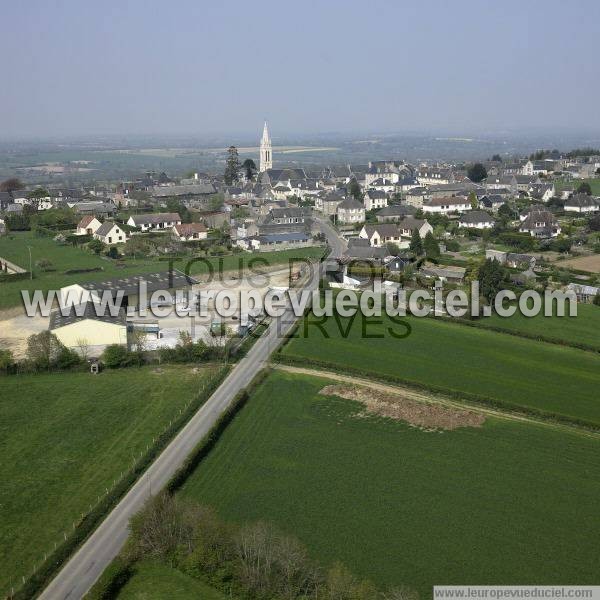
x=14, y=247
x=505, y=503
x=582, y=329
x=65, y=438
x=463, y=359
x=594, y=184
x=155, y=581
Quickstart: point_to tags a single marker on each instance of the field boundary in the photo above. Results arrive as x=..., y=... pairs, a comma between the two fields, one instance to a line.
x=466, y=397
x=87, y=525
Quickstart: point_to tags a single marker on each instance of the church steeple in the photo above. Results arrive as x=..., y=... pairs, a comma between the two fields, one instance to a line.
x=266, y=156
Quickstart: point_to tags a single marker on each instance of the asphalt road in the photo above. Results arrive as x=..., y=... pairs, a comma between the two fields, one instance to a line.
x=87, y=564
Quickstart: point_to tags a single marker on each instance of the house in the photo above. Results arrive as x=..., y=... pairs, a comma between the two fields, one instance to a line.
x=93, y=207
x=409, y=224
x=491, y=202
x=538, y=167
x=500, y=182
x=476, y=219
x=447, y=204
x=275, y=241
x=379, y=235
x=540, y=224
x=512, y=259
x=383, y=185
x=586, y=294
x=542, y=191
x=395, y=212
x=327, y=203
x=154, y=221
x=582, y=203
x=524, y=182
x=89, y=324
x=443, y=272
x=434, y=175
x=350, y=212
x=375, y=199
x=110, y=233
x=88, y=225
x=416, y=196
x=358, y=253
x=186, y=232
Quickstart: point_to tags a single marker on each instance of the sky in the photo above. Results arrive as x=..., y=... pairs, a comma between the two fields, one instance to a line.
x=75, y=68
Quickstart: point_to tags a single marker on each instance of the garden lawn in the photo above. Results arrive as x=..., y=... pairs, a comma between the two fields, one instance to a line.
x=14, y=247
x=506, y=503
x=64, y=438
x=501, y=367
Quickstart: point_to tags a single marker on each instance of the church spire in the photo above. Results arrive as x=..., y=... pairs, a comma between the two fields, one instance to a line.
x=266, y=157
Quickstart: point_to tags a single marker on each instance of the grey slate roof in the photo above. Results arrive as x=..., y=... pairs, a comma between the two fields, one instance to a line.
x=163, y=280
x=82, y=312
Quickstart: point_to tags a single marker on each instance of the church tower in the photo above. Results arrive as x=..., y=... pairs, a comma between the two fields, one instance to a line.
x=266, y=157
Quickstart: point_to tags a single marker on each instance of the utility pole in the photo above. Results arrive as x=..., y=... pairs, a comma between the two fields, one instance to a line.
x=30, y=267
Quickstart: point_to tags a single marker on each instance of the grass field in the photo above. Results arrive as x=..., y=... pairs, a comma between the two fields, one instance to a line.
x=14, y=247
x=64, y=438
x=582, y=329
x=506, y=503
x=155, y=581
x=594, y=184
x=464, y=359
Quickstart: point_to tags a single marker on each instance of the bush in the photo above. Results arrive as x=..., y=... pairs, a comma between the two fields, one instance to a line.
x=115, y=356
x=6, y=360
x=112, y=252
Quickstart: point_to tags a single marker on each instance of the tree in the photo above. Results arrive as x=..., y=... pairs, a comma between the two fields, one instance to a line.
x=96, y=246
x=392, y=248
x=595, y=223
x=354, y=189
x=585, y=188
x=431, y=247
x=6, y=360
x=416, y=244
x=473, y=200
x=232, y=166
x=250, y=166
x=38, y=193
x=477, y=172
x=497, y=158
x=491, y=276
x=12, y=184
x=112, y=252
x=43, y=349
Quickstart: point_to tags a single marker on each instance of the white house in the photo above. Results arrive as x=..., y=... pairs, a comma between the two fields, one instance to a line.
x=447, y=204
x=540, y=224
x=409, y=224
x=582, y=203
x=375, y=199
x=186, y=232
x=88, y=225
x=476, y=219
x=110, y=233
x=383, y=185
x=154, y=221
x=381, y=234
x=350, y=212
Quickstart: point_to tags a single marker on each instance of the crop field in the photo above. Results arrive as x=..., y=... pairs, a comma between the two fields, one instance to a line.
x=582, y=329
x=501, y=503
x=65, y=437
x=461, y=359
x=155, y=581
x=14, y=247
x=594, y=184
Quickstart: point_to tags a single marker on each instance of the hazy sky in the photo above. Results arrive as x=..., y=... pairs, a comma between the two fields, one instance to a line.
x=192, y=66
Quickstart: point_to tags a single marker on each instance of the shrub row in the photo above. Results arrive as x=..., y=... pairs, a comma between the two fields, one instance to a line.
x=90, y=521
x=6, y=277
x=467, y=397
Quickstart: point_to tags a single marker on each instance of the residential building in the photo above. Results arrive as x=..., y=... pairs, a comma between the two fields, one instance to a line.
x=110, y=233
x=540, y=224
x=88, y=225
x=154, y=221
x=375, y=199
x=350, y=212
x=447, y=204
x=582, y=203
x=476, y=219
x=187, y=232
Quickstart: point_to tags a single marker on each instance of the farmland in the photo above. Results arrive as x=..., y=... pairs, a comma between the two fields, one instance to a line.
x=155, y=581
x=400, y=505
x=65, y=438
x=14, y=247
x=582, y=329
x=462, y=359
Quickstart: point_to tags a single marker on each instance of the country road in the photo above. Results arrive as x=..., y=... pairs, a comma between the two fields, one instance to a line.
x=78, y=575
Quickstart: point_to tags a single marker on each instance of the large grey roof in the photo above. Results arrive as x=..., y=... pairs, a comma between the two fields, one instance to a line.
x=163, y=280
x=85, y=311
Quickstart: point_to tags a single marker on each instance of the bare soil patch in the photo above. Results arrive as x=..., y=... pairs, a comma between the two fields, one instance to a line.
x=426, y=416
x=582, y=263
